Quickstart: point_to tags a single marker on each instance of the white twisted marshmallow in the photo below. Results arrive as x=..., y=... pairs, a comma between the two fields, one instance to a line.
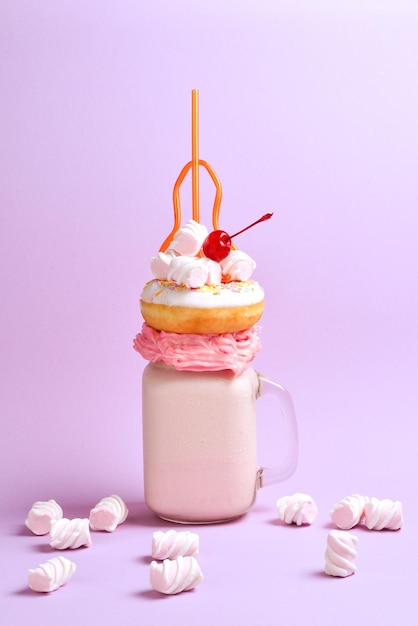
x=238, y=265
x=72, y=534
x=349, y=511
x=189, y=238
x=108, y=514
x=340, y=553
x=188, y=271
x=297, y=509
x=51, y=575
x=380, y=514
x=40, y=516
x=214, y=272
x=174, y=576
x=172, y=544
x=161, y=263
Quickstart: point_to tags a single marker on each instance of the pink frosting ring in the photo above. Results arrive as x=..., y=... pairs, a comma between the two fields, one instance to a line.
x=197, y=353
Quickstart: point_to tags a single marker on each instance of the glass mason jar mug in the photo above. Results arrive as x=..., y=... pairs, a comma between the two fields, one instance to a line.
x=199, y=442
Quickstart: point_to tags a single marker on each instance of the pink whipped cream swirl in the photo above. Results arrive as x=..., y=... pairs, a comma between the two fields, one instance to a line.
x=197, y=353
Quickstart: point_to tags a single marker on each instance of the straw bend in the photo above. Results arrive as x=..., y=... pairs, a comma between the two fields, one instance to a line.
x=194, y=165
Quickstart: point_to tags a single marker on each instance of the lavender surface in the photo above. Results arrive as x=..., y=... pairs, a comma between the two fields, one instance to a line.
x=307, y=109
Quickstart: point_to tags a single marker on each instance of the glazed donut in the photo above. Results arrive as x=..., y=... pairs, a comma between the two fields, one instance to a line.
x=220, y=308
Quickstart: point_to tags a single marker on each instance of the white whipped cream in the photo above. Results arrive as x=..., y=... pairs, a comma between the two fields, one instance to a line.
x=172, y=544
x=340, y=553
x=51, y=575
x=174, y=576
x=109, y=513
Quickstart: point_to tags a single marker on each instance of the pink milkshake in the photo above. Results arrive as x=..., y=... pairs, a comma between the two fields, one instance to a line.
x=199, y=425
x=199, y=389
x=199, y=437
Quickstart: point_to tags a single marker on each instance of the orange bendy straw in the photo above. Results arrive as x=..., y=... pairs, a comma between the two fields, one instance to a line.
x=194, y=165
x=195, y=156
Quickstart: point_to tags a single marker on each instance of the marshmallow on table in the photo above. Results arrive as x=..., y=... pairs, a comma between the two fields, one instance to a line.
x=69, y=534
x=172, y=544
x=349, y=511
x=297, y=509
x=340, y=553
x=108, y=514
x=175, y=575
x=51, y=575
x=380, y=514
x=40, y=516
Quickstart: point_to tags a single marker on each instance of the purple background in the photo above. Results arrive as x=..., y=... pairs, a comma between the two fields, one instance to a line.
x=307, y=109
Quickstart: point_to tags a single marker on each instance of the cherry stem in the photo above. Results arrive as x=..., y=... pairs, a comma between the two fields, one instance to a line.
x=265, y=217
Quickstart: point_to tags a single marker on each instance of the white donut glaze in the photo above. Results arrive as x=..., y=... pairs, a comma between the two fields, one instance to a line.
x=233, y=294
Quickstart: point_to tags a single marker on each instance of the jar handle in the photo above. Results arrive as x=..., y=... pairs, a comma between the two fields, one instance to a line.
x=270, y=475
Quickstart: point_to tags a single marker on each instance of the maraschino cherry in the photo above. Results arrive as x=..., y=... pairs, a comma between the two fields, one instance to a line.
x=217, y=244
